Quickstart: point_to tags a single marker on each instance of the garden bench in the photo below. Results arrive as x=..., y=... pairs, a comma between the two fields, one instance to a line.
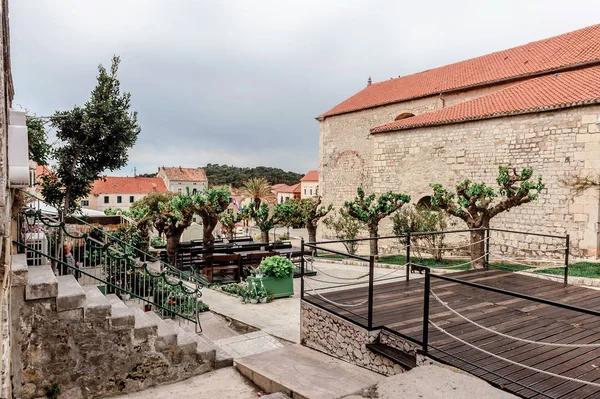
x=223, y=265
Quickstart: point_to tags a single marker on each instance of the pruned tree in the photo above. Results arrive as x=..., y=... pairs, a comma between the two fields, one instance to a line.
x=94, y=138
x=229, y=221
x=262, y=217
x=312, y=212
x=371, y=210
x=477, y=203
x=176, y=216
x=258, y=189
x=209, y=204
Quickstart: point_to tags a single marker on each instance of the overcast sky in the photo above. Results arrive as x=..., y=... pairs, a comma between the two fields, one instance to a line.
x=240, y=82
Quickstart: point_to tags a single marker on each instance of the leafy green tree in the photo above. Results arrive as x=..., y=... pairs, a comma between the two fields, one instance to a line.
x=95, y=138
x=371, y=211
x=417, y=219
x=307, y=212
x=345, y=227
x=39, y=149
x=235, y=176
x=175, y=216
x=209, y=204
x=472, y=202
x=229, y=221
x=262, y=217
x=152, y=202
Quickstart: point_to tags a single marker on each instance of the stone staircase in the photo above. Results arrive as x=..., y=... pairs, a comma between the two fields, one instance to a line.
x=95, y=345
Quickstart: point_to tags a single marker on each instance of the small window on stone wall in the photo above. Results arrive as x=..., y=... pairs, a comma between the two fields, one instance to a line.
x=424, y=202
x=404, y=115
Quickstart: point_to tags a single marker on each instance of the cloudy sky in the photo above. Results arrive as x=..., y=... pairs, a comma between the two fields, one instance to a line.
x=240, y=82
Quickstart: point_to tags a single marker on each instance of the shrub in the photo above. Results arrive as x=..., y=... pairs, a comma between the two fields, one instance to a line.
x=157, y=242
x=277, y=266
x=345, y=227
x=416, y=219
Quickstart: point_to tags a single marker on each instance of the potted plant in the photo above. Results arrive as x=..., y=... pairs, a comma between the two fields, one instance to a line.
x=278, y=276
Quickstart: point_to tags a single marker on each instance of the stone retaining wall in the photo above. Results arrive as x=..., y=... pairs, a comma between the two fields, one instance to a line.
x=339, y=338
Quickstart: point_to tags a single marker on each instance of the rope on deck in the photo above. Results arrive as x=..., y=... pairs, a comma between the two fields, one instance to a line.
x=556, y=344
x=343, y=305
x=564, y=377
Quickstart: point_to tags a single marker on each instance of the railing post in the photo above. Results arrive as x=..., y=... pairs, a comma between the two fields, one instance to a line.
x=487, y=247
x=426, y=309
x=408, y=256
x=371, y=281
x=302, y=268
x=567, y=259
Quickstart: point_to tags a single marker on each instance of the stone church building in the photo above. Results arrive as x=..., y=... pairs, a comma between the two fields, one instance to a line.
x=536, y=105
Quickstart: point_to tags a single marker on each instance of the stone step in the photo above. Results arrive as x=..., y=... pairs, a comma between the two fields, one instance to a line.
x=70, y=294
x=121, y=316
x=144, y=326
x=185, y=341
x=207, y=347
x=166, y=335
x=41, y=283
x=19, y=270
x=289, y=369
x=96, y=304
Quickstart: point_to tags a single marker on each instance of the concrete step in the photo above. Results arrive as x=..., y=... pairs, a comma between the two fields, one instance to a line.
x=206, y=347
x=166, y=336
x=300, y=372
x=19, y=270
x=144, y=326
x=41, y=283
x=97, y=306
x=185, y=341
x=70, y=294
x=121, y=316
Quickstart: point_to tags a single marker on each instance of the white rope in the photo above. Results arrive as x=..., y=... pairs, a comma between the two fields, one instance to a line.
x=497, y=242
x=335, y=303
x=514, y=262
x=392, y=272
x=446, y=248
x=452, y=266
x=341, y=278
x=510, y=336
x=513, y=362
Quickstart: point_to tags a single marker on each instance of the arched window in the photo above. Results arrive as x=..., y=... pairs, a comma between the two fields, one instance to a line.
x=424, y=202
x=404, y=115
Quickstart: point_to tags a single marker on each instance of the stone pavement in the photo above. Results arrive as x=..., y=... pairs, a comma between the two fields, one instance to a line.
x=248, y=344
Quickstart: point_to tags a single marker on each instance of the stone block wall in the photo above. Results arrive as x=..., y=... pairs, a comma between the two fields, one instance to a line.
x=339, y=338
x=556, y=144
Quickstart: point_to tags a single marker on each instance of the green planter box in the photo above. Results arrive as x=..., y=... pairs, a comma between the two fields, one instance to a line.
x=281, y=287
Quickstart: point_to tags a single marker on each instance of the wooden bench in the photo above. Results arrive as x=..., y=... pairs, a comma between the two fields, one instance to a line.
x=228, y=266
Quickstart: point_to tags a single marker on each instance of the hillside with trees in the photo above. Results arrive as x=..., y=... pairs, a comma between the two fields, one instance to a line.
x=224, y=174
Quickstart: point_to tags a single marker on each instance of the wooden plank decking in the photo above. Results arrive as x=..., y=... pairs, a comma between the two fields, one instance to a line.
x=399, y=306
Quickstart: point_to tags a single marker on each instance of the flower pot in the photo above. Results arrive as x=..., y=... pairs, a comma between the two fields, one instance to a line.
x=281, y=287
x=263, y=300
x=253, y=300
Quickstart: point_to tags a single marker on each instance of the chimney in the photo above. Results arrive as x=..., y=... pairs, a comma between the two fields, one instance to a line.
x=369, y=81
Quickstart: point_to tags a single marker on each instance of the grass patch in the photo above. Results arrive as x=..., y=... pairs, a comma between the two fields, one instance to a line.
x=329, y=255
x=579, y=269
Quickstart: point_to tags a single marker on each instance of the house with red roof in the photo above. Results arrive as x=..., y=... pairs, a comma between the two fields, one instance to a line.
x=121, y=192
x=287, y=192
x=536, y=105
x=178, y=179
x=309, y=184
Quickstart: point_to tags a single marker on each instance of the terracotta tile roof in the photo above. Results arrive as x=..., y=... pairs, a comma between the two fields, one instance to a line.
x=545, y=93
x=185, y=174
x=278, y=187
x=129, y=185
x=295, y=189
x=312, y=175
x=570, y=49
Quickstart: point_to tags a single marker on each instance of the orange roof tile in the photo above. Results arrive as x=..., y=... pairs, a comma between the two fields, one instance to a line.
x=580, y=47
x=312, y=175
x=278, y=187
x=545, y=93
x=185, y=174
x=291, y=189
x=129, y=185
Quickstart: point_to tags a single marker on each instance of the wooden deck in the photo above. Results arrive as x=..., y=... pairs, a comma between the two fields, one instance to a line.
x=399, y=306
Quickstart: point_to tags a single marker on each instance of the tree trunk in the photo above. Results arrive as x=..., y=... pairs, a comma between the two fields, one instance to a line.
x=265, y=236
x=312, y=232
x=477, y=249
x=209, y=222
x=172, y=243
x=374, y=242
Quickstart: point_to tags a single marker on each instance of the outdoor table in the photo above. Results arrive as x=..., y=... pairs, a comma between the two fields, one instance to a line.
x=289, y=252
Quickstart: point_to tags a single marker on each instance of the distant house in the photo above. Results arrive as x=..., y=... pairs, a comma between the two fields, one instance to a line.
x=309, y=184
x=288, y=192
x=121, y=192
x=277, y=192
x=178, y=179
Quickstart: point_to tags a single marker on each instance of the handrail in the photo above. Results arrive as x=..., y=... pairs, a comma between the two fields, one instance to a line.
x=116, y=287
x=336, y=252
x=112, y=237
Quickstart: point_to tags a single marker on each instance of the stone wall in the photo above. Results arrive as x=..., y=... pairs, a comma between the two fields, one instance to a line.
x=556, y=144
x=89, y=357
x=339, y=338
